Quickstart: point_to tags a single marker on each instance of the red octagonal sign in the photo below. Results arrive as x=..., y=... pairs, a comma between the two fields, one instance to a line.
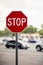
x=16, y=21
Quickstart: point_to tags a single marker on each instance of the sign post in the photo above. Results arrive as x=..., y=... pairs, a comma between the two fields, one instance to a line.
x=16, y=48
x=16, y=22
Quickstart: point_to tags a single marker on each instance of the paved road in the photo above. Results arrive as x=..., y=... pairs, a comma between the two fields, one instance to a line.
x=25, y=57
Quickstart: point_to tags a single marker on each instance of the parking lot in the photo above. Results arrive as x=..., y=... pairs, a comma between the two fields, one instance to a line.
x=25, y=57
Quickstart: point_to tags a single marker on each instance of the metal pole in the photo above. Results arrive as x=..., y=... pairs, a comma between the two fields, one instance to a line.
x=16, y=48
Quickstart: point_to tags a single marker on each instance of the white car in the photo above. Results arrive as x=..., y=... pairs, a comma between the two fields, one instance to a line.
x=39, y=46
x=24, y=44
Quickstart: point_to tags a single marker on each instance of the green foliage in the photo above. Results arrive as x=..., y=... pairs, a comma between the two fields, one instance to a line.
x=1, y=33
x=26, y=30
x=30, y=29
x=6, y=32
x=41, y=32
x=41, y=26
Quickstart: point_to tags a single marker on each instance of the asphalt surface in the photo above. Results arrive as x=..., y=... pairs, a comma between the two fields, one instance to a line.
x=25, y=57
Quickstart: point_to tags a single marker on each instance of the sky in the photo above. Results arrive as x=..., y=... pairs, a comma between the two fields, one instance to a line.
x=33, y=9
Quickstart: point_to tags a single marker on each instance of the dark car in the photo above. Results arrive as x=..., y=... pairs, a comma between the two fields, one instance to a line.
x=12, y=43
x=32, y=41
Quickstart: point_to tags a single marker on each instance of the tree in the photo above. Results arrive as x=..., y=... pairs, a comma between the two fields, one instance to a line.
x=7, y=32
x=26, y=30
x=41, y=32
x=30, y=29
x=1, y=33
x=41, y=26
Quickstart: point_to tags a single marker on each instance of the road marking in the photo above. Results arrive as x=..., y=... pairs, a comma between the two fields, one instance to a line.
x=7, y=53
x=36, y=53
x=21, y=53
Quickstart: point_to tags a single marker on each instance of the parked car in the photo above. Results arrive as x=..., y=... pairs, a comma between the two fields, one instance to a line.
x=12, y=43
x=39, y=46
x=1, y=42
x=4, y=41
x=32, y=41
x=24, y=44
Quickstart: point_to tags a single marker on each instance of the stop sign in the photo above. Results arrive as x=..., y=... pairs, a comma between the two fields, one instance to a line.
x=16, y=21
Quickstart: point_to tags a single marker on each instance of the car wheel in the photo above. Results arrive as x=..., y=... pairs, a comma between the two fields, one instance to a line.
x=20, y=47
x=13, y=47
x=7, y=46
x=38, y=48
x=26, y=48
